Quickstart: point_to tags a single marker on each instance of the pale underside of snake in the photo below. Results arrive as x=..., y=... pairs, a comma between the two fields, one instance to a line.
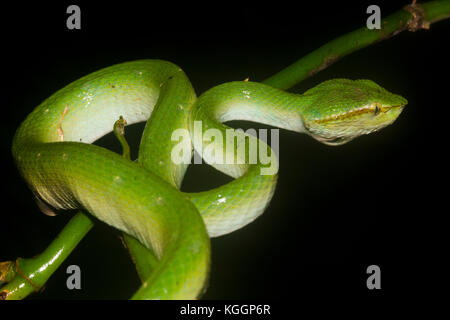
x=53, y=152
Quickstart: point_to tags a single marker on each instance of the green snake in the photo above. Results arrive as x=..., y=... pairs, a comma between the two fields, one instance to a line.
x=53, y=152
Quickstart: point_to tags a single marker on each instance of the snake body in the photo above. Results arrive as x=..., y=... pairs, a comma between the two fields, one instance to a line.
x=53, y=152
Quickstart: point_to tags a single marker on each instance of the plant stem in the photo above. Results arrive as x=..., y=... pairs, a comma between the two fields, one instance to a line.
x=38, y=270
x=412, y=18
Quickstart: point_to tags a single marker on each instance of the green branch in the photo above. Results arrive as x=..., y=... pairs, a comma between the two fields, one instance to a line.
x=25, y=276
x=412, y=18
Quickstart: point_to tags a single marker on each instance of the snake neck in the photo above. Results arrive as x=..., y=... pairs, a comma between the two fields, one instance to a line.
x=255, y=102
x=231, y=151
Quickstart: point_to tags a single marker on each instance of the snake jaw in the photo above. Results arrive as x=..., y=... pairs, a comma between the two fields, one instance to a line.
x=332, y=141
x=339, y=129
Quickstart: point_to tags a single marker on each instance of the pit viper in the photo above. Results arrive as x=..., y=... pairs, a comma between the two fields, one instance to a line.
x=54, y=153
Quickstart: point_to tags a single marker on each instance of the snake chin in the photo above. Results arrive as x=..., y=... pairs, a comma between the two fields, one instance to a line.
x=330, y=140
x=337, y=141
x=45, y=208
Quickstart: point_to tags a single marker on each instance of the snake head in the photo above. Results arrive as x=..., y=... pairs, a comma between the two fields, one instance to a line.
x=341, y=110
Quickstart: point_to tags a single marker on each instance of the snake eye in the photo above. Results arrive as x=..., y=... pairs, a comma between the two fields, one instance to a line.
x=377, y=110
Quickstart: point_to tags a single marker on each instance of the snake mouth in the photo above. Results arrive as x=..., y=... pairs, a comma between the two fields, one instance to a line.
x=339, y=129
x=374, y=109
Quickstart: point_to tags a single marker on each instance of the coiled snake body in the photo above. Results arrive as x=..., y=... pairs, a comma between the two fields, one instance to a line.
x=53, y=153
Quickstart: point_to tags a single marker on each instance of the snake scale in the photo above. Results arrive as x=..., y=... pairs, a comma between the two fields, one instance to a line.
x=53, y=152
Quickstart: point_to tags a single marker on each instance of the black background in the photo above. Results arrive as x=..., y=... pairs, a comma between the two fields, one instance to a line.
x=377, y=200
